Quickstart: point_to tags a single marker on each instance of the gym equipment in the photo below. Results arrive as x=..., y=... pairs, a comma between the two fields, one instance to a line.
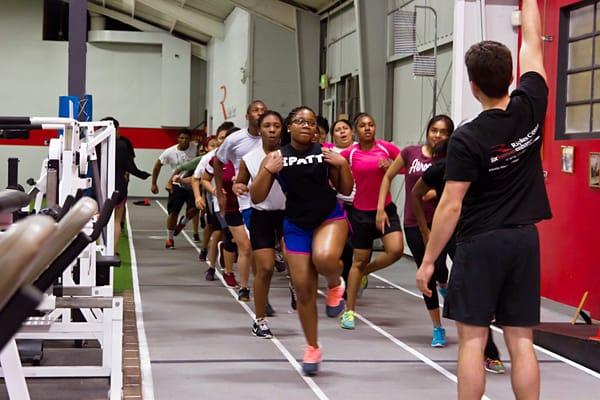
x=67, y=268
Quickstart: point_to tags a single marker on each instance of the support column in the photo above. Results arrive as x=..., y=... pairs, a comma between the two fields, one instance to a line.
x=371, y=24
x=77, y=47
x=308, y=27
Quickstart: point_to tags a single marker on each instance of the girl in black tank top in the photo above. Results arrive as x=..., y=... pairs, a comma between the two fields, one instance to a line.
x=305, y=172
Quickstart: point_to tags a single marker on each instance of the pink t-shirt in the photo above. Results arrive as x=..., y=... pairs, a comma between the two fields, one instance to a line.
x=367, y=173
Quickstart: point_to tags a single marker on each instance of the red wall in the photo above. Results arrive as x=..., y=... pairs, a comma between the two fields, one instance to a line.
x=570, y=265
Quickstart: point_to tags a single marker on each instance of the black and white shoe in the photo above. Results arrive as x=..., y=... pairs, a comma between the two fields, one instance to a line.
x=261, y=330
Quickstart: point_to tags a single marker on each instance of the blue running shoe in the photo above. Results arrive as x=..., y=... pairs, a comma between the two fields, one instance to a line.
x=439, y=337
x=443, y=292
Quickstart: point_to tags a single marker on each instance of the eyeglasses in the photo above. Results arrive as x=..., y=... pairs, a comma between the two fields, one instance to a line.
x=302, y=122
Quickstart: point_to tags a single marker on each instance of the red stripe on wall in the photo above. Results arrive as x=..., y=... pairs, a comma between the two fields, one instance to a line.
x=141, y=138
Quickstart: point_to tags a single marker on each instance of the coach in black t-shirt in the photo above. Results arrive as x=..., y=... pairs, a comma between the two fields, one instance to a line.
x=494, y=195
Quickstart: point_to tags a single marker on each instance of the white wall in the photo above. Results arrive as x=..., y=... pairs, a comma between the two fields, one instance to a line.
x=226, y=58
x=342, y=44
x=124, y=80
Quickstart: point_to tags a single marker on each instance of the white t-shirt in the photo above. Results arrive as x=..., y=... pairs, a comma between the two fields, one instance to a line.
x=350, y=197
x=204, y=165
x=275, y=199
x=172, y=156
x=235, y=146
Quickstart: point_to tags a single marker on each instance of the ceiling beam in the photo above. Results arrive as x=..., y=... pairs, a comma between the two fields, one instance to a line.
x=198, y=49
x=275, y=11
x=194, y=19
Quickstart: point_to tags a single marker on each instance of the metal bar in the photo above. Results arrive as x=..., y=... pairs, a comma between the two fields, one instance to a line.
x=71, y=371
x=84, y=302
x=77, y=47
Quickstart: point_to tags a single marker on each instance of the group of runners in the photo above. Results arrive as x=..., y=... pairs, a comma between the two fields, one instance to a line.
x=277, y=186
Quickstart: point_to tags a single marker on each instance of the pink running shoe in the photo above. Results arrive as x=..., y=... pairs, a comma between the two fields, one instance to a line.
x=335, y=300
x=311, y=361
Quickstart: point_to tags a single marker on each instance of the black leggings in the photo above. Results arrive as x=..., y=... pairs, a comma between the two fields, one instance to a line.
x=417, y=247
x=440, y=275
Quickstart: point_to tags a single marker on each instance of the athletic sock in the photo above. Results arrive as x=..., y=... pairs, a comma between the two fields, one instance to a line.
x=171, y=234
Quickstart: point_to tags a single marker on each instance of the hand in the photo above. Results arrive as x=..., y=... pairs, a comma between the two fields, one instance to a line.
x=333, y=158
x=430, y=195
x=176, y=179
x=381, y=220
x=200, y=204
x=240, y=189
x=274, y=162
x=425, y=235
x=154, y=188
x=384, y=163
x=424, y=276
x=169, y=186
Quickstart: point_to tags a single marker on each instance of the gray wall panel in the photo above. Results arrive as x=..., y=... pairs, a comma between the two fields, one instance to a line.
x=275, y=66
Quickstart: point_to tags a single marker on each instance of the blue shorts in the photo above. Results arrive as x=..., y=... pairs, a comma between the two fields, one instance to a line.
x=246, y=216
x=299, y=240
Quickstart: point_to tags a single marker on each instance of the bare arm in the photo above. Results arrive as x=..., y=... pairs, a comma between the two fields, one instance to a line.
x=445, y=220
x=218, y=174
x=200, y=203
x=155, y=172
x=381, y=218
x=340, y=173
x=207, y=184
x=531, y=55
x=418, y=191
x=271, y=165
x=240, y=187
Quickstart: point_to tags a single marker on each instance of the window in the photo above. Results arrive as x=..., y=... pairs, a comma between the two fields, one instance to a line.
x=578, y=92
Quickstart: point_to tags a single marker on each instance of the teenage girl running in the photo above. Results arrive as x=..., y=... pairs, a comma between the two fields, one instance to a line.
x=414, y=161
x=315, y=227
x=266, y=219
x=369, y=159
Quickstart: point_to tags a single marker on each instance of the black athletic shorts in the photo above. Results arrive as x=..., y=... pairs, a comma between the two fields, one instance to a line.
x=496, y=274
x=266, y=228
x=212, y=220
x=234, y=219
x=364, y=229
x=178, y=197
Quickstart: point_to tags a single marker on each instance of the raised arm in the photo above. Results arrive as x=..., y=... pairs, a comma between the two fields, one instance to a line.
x=531, y=56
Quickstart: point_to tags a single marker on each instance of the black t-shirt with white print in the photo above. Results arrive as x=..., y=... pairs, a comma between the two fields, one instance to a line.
x=305, y=181
x=499, y=153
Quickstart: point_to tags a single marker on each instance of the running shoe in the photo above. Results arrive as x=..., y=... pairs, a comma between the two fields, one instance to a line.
x=439, y=337
x=280, y=265
x=203, y=254
x=170, y=244
x=196, y=237
x=347, y=320
x=230, y=280
x=335, y=303
x=312, y=359
x=494, y=366
x=210, y=274
x=220, y=256
x=260, y=329
x=292, y=295
x=244, y=294
x=443, y=292
x=364, y=283
x=180, y=225
x=270, y=311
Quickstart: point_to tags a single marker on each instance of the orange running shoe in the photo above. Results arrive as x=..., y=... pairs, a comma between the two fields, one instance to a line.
x=335, y=300
x=311, y=361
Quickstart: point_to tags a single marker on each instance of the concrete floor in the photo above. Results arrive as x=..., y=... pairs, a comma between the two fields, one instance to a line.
x=200, y=345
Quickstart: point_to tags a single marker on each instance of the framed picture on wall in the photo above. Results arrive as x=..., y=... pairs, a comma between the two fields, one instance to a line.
x=567, y=158
x=595, y=170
